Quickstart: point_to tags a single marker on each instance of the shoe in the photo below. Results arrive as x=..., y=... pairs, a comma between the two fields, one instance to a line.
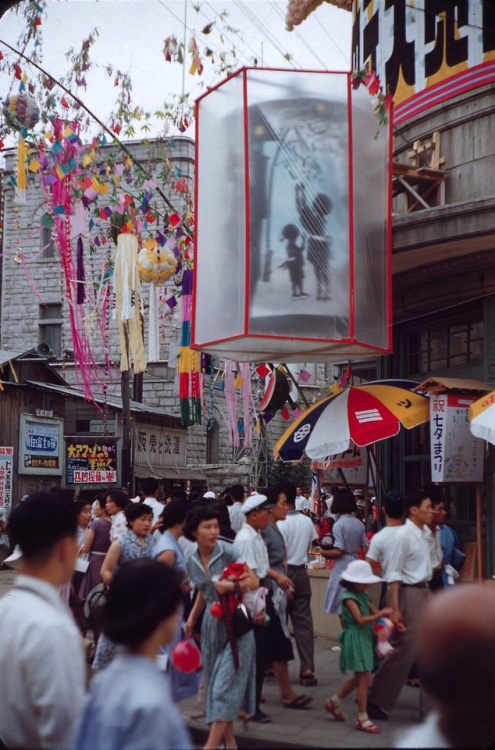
x=308, y=679
x=367, y=726
x=261, y=717
x=375, y=712
x=334, y=710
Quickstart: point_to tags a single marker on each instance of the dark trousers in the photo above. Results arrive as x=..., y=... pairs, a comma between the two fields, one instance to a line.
x=302, y=620
x=260, y=640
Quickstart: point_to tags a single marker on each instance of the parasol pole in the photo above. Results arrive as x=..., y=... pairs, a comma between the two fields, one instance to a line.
x=298, y=387
x=479, y=532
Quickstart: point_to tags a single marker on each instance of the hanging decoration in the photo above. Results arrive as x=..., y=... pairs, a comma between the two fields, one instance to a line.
x=21, y=113
x=311, y=279
x=229, y=379
x=248, y=406
x=189, y=361
x=128, y=302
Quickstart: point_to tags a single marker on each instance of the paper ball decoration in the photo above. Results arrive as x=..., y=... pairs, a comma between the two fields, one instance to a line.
x=186, y=656
x=156, y=264
x=21, y=111
x=216, y=610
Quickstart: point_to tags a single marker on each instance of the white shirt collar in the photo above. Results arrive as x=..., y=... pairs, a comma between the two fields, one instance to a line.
x=44, y=589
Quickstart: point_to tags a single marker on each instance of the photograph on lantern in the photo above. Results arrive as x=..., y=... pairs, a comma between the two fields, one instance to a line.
x=298, y=204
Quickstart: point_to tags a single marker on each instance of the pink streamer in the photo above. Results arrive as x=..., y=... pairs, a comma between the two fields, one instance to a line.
x=247, y=403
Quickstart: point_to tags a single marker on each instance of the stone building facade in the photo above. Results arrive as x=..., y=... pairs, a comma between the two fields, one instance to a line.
x=34, y=311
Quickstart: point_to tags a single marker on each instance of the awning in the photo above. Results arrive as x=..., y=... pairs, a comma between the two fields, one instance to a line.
x=169, y=472
x=442, y=385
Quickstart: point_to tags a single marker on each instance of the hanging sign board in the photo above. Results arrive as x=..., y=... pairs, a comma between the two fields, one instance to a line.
x=353, y=463
x=6, y=477
x=40, y=445
x=91, y=461
x=425, y=52
x=456, y=455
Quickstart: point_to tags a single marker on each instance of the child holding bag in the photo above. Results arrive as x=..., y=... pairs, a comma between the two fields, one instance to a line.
x=357, y=640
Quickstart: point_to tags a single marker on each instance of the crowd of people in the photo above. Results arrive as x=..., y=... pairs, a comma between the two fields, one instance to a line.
x=229, y=573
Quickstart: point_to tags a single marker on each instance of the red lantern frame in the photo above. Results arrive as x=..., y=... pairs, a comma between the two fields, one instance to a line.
x=325, y=349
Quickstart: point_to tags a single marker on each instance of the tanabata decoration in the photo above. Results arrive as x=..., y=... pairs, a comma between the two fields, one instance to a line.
x=128, y=297
x=21, y=113
x=189, y=361
x=299, y=10
x=384, y=628
x=186, y=656
x=298, y=235
x=155, y=265
x=228, y=603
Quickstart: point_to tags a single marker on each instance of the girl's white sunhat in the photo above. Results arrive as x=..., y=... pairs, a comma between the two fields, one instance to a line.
x=359, y=571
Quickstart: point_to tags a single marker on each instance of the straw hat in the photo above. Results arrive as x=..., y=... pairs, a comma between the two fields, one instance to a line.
x=359, y=571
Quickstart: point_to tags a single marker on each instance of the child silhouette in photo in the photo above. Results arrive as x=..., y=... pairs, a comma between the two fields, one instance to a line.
x=313, y=219
x=295, y=262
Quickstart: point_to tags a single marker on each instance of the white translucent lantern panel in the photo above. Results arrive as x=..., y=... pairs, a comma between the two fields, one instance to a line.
x=221, y=214
x=298, y=205
x=370, y=187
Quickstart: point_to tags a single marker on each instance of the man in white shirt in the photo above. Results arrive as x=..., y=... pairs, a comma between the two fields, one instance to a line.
x=150, y=489
x=299, y=533
x=300, y=501
x=237, y=517
x=382, y=542
x=409, y=574
x=42, y=669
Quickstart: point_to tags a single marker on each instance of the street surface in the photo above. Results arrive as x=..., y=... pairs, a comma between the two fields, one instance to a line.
x=307, y=728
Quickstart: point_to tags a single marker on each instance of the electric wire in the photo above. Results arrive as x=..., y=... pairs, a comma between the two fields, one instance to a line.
x=301, y=36
x=273, y=41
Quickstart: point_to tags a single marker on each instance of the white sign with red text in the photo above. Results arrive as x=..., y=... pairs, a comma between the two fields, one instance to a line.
x=456, y=455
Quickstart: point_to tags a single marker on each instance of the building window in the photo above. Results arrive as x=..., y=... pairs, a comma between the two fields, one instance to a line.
x=442, y=347
x=50, y=327
x=48, y=243
x=212, y=442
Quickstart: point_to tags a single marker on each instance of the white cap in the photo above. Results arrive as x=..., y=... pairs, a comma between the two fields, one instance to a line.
x=359, y=571
x=15, y=559
x=209, y=495
x=254, y=502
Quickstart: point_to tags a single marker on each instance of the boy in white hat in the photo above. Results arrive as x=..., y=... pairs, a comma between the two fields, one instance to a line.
x=357, y=653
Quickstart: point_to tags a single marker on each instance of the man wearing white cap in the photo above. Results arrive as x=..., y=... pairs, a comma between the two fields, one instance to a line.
x=209, y=495
x=251, y=549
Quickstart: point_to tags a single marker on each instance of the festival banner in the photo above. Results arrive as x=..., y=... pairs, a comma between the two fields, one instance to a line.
x=91, y=461
x=456, y=455
x=6, y=478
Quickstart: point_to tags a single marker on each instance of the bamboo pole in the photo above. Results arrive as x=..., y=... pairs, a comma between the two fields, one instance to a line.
x=479, y=532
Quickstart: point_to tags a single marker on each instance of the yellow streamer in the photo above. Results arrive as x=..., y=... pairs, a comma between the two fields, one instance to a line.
x=21, y=169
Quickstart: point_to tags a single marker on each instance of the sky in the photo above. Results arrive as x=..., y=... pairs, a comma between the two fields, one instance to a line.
x=132, y=32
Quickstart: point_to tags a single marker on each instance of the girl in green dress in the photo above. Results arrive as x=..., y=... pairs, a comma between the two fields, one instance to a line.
x=357, y=641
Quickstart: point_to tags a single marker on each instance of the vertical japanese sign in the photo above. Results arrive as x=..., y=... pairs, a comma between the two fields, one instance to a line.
x=6, y=478
x=456, y=455
x=425, y=51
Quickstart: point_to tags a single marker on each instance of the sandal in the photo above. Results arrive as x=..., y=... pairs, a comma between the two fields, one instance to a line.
x=366, y=725
x=299, y=701
x=307, y=679
x=334, y=710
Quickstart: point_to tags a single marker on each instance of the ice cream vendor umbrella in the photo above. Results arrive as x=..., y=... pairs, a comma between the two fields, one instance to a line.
x=364, y=414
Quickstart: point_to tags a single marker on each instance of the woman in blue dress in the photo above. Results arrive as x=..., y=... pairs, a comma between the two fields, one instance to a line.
x=349, y=535
x=168, y=551
x=228, y=691
x=136, y=543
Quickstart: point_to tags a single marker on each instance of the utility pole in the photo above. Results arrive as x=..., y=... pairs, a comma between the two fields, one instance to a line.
x=125, y=382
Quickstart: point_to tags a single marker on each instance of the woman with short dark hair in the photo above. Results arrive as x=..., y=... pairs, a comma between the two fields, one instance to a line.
x=349, y=535
x=129, y=704
x=136, y=543
x=228, y=691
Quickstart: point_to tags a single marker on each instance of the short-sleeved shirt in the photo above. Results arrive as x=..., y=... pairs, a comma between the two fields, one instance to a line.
x=298, y=532
x=349, y=534
x=119, y=526
x=101, y=529
x=251, y=549
x=380, y=547
x=167, y=542
x=410, y=556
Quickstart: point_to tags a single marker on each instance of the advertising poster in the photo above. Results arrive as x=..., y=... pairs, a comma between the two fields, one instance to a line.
x=353, y=462
x=40, y=445
x=6, y=478
x=91, y=461
x=456, y=455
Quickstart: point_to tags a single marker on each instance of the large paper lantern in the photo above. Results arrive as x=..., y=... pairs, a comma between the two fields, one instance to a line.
x=293, y=237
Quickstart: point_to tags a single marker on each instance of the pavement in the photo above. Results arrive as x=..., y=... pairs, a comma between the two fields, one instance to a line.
x=312, y=727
